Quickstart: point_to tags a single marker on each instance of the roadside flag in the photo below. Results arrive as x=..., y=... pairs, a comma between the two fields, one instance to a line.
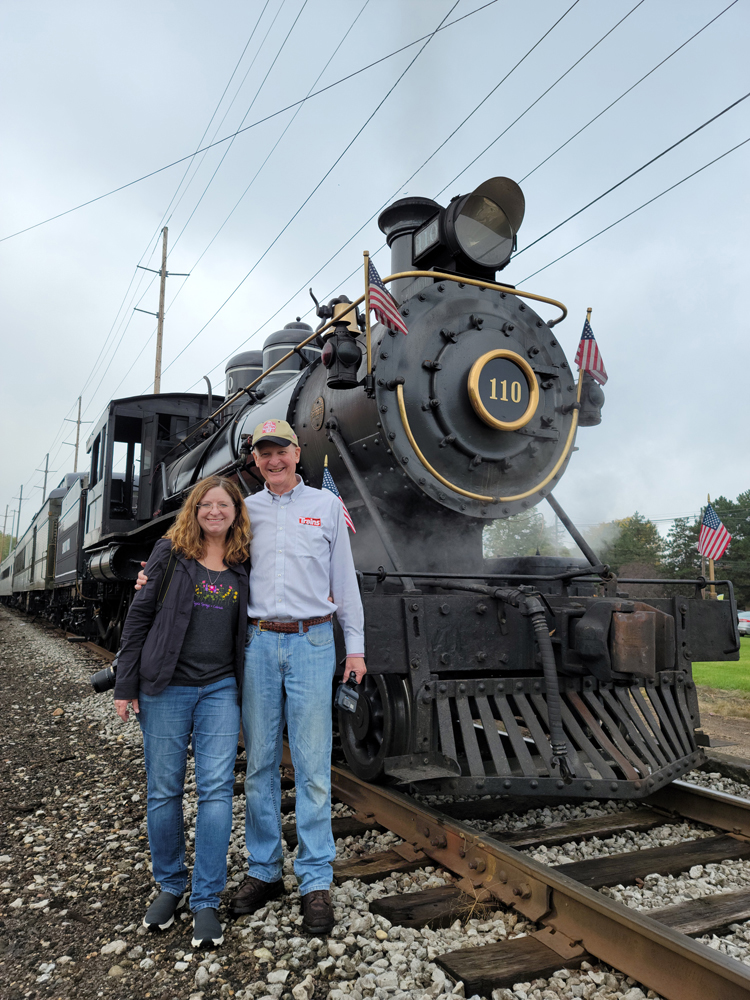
x=714, y=538
x=328, y=484
x=588, y=358
x=382, y=302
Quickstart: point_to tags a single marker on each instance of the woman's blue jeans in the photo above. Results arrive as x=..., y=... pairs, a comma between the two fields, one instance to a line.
x=167, y=720
x=288, y=679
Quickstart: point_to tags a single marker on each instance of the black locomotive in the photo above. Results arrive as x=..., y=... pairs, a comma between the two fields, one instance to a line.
x=535, y=676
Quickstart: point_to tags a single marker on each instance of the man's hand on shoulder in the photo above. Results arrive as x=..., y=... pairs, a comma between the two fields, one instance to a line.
x=142, y=578
x=357, y=664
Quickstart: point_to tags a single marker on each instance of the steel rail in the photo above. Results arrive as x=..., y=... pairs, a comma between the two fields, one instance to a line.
x=575, y=918
x=705, y=805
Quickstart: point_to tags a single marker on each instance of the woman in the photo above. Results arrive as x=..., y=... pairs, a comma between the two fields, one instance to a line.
x=180, y=666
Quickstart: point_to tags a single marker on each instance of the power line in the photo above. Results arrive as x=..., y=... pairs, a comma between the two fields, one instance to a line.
x=276, y=144
x=260, y=121
x=252, y=104
x=164, y=219
x=399, y=188
x=645, y=203
x=327, y=174
x=541, y=96
x=286, y=129
x=127, y=317
x=154, y=240
x=431, y=156
x=626, y=92
x=635, y=172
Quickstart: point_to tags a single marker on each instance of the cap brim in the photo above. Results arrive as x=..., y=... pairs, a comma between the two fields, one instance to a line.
x=282, y=442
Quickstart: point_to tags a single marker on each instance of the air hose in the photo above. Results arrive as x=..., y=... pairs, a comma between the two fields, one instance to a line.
x=535, y=611
x=533, y=608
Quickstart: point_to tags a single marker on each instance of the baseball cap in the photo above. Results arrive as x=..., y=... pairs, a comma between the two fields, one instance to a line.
x=275, y=432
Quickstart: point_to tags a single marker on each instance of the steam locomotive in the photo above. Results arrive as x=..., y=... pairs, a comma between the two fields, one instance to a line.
x=534, y=676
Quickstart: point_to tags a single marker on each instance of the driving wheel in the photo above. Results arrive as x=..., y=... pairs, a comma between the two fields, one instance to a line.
x=380, y=727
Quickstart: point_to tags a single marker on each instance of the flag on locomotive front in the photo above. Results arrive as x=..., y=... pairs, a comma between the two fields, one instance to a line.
x=328, y=484
x=714, y=538
x=382, y=302
x=588, y=358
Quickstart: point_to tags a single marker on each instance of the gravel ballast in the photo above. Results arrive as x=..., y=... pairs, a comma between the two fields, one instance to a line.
x=75, y=873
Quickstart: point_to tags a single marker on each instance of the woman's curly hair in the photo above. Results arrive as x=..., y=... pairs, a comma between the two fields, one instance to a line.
x=187, y=535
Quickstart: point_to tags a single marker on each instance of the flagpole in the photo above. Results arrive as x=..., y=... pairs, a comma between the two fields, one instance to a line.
x=369, y=380
x=711, y=576
x=579, y=387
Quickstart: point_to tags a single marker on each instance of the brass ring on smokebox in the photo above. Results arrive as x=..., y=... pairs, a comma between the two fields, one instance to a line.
x=476, y=400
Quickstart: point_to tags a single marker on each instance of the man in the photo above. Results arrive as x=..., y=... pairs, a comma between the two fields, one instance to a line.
x=300, y=555
x=302, y=571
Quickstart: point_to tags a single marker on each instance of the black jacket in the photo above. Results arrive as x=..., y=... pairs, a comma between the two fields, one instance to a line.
x=152, y=639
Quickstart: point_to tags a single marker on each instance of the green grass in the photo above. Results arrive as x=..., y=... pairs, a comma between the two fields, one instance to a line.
x=729, y=676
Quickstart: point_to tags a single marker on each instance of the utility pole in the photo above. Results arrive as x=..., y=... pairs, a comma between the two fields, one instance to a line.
x=12, y=529
x=78, y=423
x=160, y=318
x=46, y=470
x=5, y=525
x=163, y=274
x=18, y=523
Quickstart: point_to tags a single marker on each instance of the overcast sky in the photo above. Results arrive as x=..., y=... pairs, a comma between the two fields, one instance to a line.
x=99, y=94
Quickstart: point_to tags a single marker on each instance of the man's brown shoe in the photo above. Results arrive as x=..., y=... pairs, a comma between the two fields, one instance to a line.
x=253, y=894
x=317, y=912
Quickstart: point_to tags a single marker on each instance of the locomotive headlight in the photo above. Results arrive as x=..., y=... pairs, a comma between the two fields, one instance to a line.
x=483, y=231
x=477, y=229
x=483, y=225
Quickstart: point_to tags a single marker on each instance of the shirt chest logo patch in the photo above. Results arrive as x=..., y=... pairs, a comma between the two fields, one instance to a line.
x=314, y=522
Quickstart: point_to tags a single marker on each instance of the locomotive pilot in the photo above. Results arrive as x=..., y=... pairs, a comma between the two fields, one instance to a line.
x=300, y=555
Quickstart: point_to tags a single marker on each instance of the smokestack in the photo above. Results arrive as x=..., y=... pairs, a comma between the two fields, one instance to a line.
x=399, y=222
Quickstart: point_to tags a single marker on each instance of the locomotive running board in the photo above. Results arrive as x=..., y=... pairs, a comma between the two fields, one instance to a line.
x=625, y=740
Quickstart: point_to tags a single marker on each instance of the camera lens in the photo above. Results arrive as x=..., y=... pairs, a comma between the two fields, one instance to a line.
x=102, y=680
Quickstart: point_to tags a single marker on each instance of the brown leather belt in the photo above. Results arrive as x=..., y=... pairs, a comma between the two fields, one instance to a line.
x=266, y=626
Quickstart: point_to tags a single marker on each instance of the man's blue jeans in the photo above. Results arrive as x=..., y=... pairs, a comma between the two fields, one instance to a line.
x=212, y=715
x=288, y=678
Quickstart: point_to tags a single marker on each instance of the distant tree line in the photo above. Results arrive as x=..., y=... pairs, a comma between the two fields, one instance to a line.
x=633, y=547
x=6, y=543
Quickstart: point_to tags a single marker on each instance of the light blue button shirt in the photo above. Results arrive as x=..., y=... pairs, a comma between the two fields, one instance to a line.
x=300, y=554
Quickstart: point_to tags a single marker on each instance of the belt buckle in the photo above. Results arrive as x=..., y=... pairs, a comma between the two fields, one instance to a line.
x=260, y=626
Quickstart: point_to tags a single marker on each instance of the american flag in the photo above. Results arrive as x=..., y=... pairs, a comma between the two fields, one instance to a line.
x=714, y=538
x=328, y=484
x=588, y=358
x=383, y=304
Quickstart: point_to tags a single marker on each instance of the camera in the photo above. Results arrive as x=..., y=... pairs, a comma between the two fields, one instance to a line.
x=104, y=680
x=347, y=694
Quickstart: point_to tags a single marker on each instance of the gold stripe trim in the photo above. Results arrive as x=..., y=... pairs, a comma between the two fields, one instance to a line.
x=480, y=496
x=441, y=276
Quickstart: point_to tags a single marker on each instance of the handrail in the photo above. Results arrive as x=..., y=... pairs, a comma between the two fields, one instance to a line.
x=435, y=275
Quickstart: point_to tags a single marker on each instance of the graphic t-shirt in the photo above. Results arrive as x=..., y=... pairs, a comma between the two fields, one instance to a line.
x=207, y=653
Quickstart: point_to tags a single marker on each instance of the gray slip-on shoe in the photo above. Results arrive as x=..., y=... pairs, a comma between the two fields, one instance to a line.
x=160, y=914
x=206, y=929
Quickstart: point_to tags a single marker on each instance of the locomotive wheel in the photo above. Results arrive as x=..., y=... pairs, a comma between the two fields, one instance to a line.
x=380, y=727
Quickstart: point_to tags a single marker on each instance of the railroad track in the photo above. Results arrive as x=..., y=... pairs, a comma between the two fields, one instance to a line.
x=575, y=922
